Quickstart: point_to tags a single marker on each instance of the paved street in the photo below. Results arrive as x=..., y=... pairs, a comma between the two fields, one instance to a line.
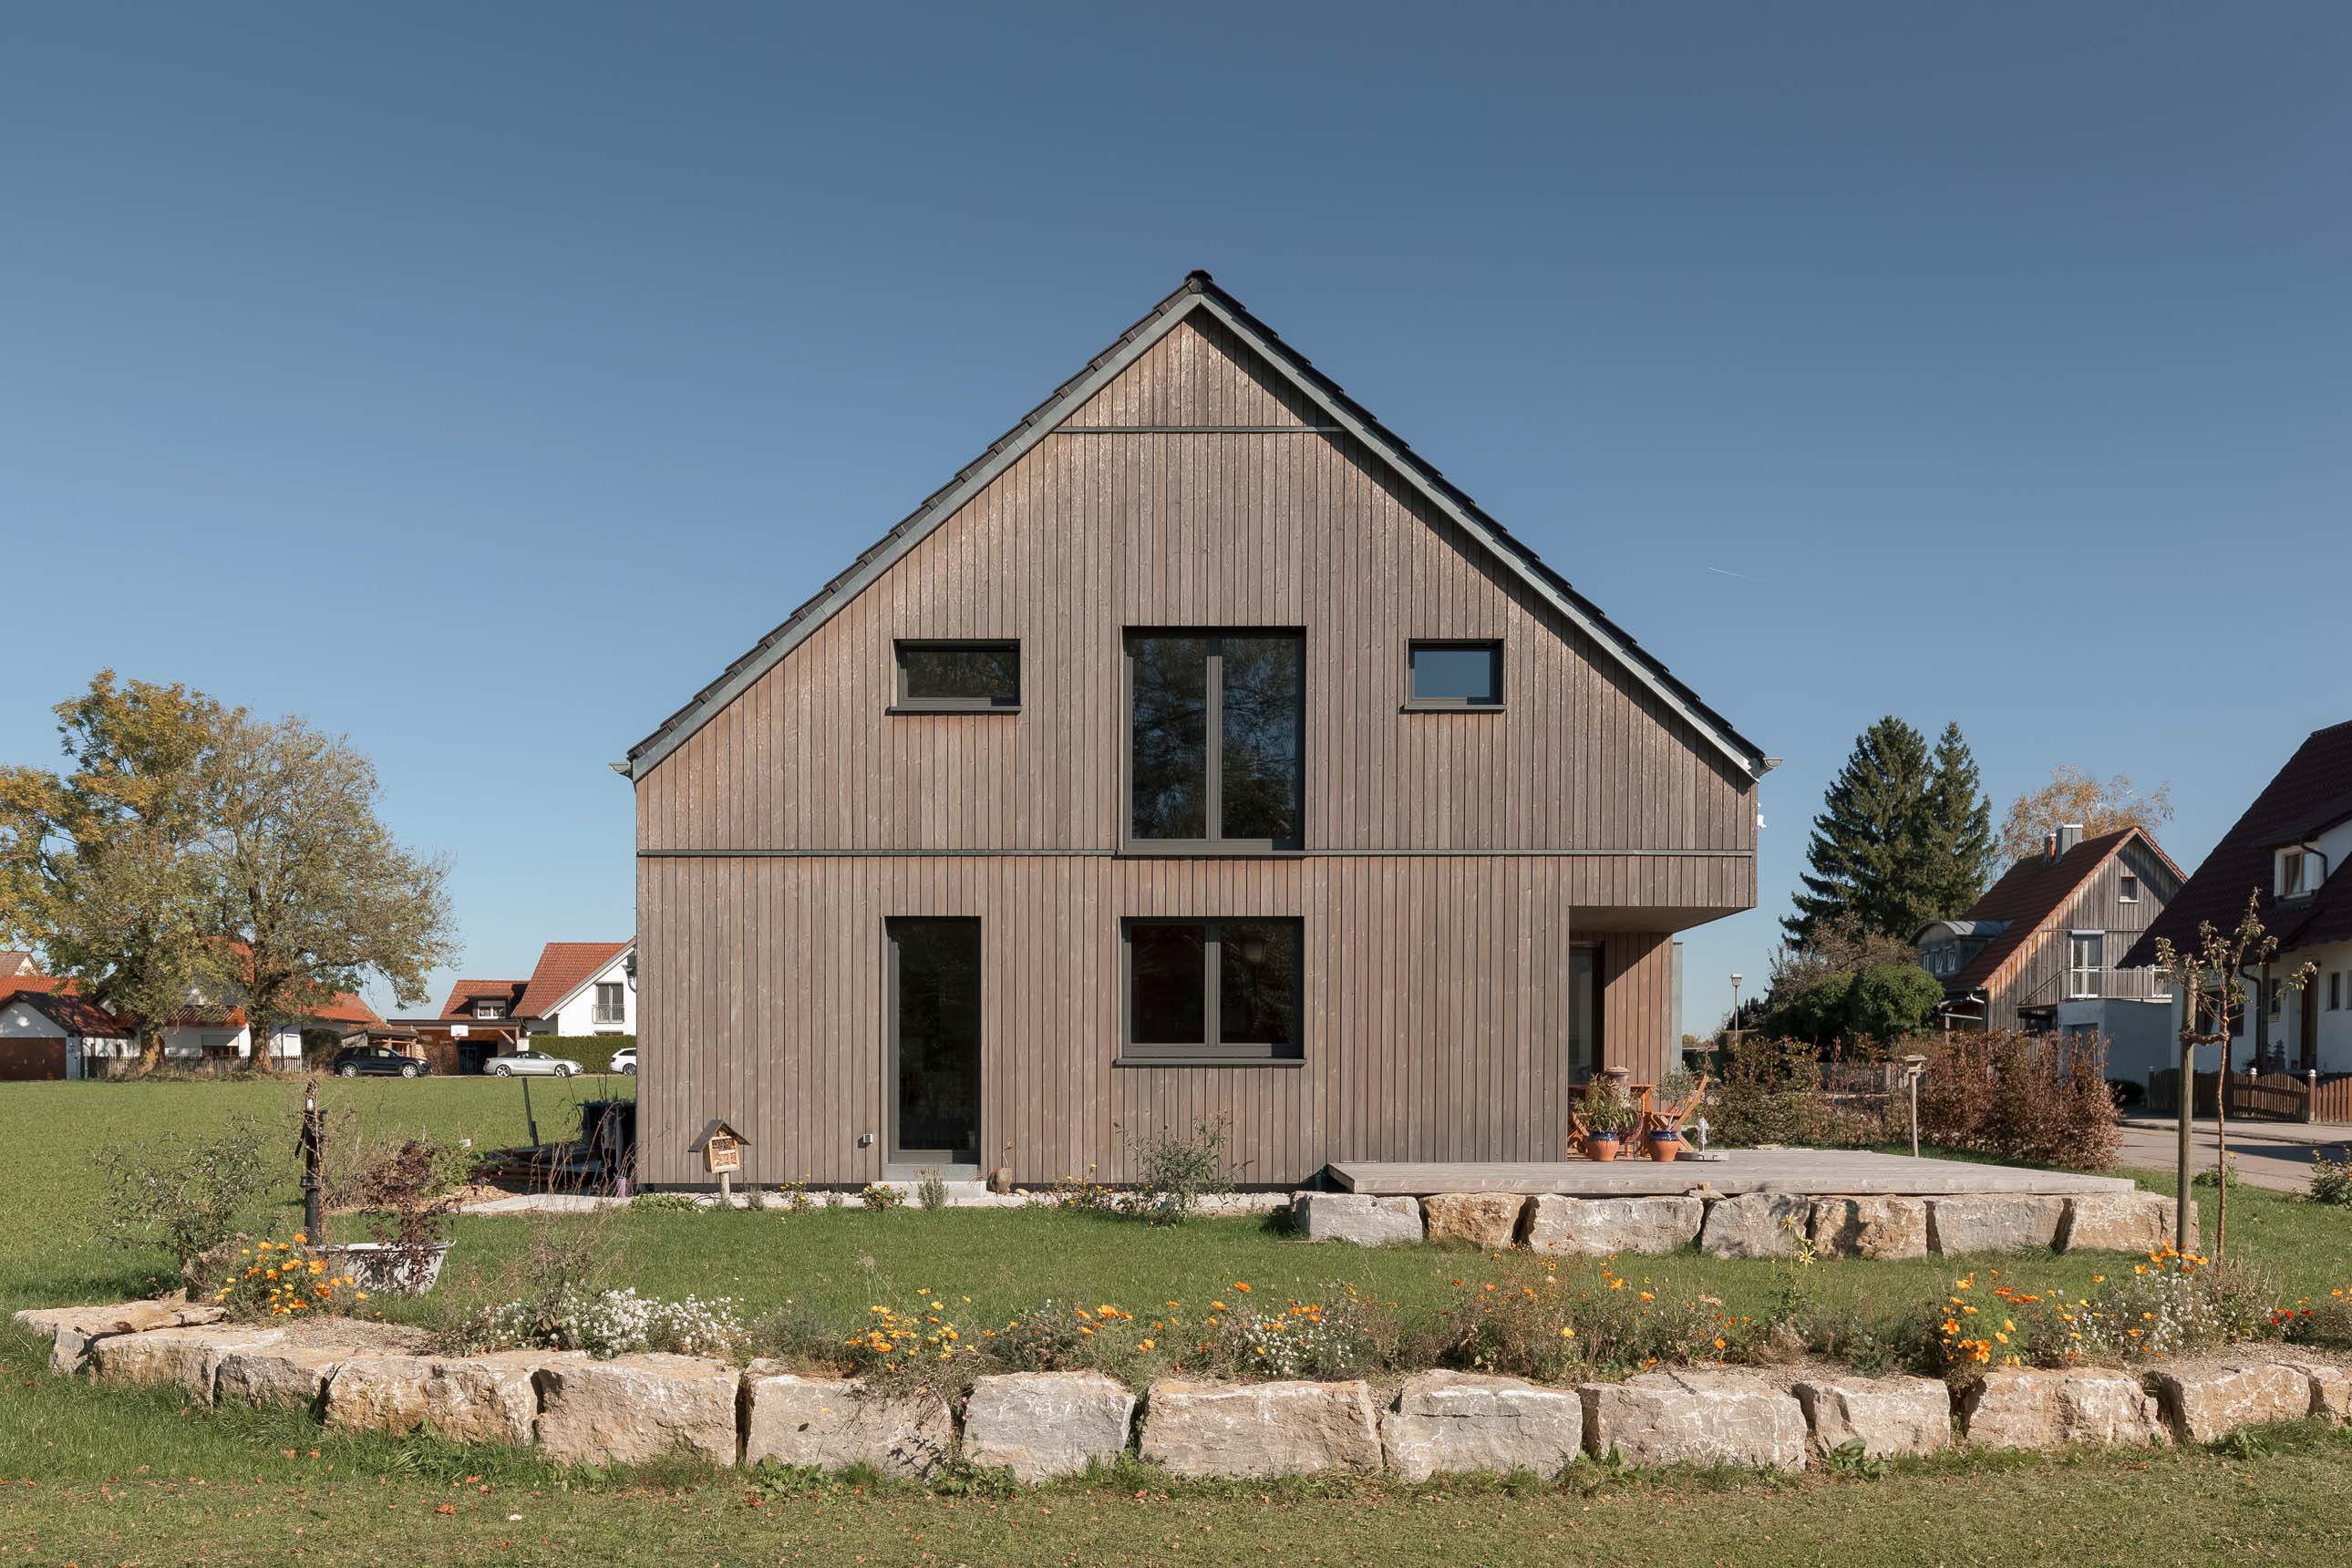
x=2267, y=1155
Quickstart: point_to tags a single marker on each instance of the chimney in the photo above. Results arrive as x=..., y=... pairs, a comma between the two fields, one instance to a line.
x=2049, y=846
x=2069, y=835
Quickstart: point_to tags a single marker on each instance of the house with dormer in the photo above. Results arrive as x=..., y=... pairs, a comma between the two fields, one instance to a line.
x=2287, y=852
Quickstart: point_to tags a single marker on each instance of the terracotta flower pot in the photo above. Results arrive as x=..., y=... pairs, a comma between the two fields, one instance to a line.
x=1665, y=1145
x=1603, y=1148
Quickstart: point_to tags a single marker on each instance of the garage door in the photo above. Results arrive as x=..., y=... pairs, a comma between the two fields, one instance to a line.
x=23, y=1059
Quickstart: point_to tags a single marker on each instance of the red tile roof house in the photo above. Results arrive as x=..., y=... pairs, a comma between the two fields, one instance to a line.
x=47, y=1033
x=92, y=1041
x=578, y=988
x=2290, y=845
x=2042, y=949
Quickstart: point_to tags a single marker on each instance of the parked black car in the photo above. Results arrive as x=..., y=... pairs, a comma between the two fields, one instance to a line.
x=354, y=1060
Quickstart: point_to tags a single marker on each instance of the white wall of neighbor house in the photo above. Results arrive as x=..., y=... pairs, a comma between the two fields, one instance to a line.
x=2331, y=1011
x=590, y=1012
x=2139, y=1035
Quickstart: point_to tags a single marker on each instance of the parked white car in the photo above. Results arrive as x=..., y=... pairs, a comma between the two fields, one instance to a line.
x=625, y=1060
x=533, y=1064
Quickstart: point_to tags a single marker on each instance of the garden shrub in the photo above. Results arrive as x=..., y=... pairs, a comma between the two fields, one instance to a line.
x=2331, y=1180
x=881, y=1196
x=1174, y=1172
x=185, y=1197
x=664, y=1203
x=1769, y=1091
x=931, y=1191
x=2039, y=1099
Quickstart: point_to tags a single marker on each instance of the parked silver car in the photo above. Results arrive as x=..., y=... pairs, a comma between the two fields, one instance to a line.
x=532, y=1064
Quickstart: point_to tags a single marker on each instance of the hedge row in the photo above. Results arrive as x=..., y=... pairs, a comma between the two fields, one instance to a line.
x=594, y=1052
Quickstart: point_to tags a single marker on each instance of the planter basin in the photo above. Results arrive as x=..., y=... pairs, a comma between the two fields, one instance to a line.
x=388, y=1268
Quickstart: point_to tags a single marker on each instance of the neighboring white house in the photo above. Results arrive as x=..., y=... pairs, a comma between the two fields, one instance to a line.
x=583, y=988
x=2290, y=847
x=44, y=1034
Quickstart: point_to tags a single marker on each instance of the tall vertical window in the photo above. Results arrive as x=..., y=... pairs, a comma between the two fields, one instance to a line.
x=1216, y=732
x=2295, y=874
x=1584, y=1053
x=2086, y=962
x=1222, y=990
x=610, y=1006
x=2336, y=991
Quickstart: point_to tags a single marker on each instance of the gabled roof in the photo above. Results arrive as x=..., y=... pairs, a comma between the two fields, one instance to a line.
x=466, y=993
x=1199, y=294
x=345, y=1008
x=70, y=1013
x=15, y=961
x=563, y=968
x=2027, y=895
x=2311, y=793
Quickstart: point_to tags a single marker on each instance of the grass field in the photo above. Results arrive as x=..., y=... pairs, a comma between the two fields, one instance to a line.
x=91, y=1475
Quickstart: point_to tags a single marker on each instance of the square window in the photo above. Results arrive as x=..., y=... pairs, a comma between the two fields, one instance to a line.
x=958, y=678
x=2127, y=889
x=1213, y=991
x=1216, y=740
x=1456, y=674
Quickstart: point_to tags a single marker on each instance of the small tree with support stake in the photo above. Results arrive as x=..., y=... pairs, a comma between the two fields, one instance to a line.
x=2208, y=981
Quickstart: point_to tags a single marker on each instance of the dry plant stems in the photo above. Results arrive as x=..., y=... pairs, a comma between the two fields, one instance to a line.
x=183, y=1195
x=2209, y=978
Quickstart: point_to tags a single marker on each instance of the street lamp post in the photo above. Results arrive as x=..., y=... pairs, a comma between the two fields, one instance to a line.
x=1732, y=1034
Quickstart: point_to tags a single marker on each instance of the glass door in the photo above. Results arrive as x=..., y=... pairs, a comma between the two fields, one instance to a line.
x=1584, y=1052
x=934, y=1043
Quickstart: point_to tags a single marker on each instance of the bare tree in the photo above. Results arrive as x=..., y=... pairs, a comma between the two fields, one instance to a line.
x=2210, y=982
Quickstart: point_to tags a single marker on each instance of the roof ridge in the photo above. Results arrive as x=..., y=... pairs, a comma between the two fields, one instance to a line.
x=1582, y=613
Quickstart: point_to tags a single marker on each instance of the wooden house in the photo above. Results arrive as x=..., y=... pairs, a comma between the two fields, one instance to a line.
x=1199, y=754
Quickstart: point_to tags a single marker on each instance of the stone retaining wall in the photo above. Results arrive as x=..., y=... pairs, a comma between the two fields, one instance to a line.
x=366, y=1377
x=1749, y=1225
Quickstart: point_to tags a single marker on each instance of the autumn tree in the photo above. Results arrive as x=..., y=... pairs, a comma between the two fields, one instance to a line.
x=2073, y=797
x=1899, y=839
x=302, y=882
x=97, y=861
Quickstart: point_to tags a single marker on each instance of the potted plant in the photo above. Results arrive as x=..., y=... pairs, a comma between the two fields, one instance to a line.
x=1665, y=1132
x=409, y=1192
x=1606, y=1115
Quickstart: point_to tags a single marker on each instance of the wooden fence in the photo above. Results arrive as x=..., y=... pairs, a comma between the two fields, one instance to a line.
x=2259, y=1097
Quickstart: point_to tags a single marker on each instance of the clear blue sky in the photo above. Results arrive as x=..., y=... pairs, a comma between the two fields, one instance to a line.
x=480, y=380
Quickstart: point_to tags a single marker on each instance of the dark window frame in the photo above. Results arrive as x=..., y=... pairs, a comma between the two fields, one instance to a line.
x=1213, y=809
x=901, y=702
x=1414, y=704
x=1209, y=1051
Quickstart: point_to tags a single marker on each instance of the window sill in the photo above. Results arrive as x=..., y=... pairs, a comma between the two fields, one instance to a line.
x=1149, y=850
x=1208, y=1061
x=904, y=710
x=1411, y=706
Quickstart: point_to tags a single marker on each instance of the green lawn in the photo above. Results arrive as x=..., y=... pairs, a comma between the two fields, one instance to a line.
x=120, y=1477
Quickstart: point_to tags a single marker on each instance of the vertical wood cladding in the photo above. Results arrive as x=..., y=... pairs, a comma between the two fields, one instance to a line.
x=2036, y=976
x=1449, y=854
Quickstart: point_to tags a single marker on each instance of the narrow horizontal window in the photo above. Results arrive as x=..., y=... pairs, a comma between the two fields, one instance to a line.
x=1456, y=674
x=1213, y=991
x=958, y=677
